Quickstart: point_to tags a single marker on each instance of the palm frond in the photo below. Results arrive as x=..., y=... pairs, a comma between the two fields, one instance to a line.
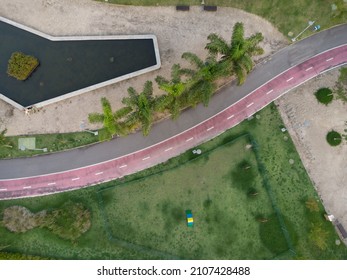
x=255, y=39
x=188, y=72
x=193, y=59
x=161, y=80
x=238, y=33
x=246, y=63
x=121, y=113
x=240, y=74
x=175, y=109
x=132, y=93
x=148, y=89
x=129, y=102
x=217, y=45
x=161, y=102
x=176, y=73
x=96, y=118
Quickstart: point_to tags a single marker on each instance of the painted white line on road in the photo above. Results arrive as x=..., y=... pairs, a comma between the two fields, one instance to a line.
x=190, y=139
x=146, y=158
x=168, y=149
x=99, y=173
x=123, y=166
x=50, y=184
x=212, y=127
x=3, y=189
x=27, y=187
x=331, y=58
x=269, y=91
x=309, y=68
x=250, y=104
x=291, y=78
x=228, y=118
x=74, y=179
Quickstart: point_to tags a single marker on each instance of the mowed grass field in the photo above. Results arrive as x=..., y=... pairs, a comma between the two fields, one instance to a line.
x=141, y=217
x=286, y=15
x=222, y=188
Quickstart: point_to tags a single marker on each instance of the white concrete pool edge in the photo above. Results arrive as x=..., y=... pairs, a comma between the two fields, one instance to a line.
x=84, y=38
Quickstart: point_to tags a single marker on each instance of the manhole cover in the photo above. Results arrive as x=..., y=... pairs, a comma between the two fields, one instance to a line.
x=337, y=242
x=285, y=138
x=290, y=34
x=291, y=161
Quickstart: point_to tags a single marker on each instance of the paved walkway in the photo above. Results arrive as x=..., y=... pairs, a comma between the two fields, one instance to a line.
x=285, y=70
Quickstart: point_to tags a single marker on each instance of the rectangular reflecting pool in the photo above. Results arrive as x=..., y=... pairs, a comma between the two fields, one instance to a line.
x=70, y=65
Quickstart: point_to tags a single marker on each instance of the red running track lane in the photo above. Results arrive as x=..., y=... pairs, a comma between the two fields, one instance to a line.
x=160, y=152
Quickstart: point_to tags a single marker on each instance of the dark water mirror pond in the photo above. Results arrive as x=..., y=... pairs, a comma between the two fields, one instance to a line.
x=68, y=65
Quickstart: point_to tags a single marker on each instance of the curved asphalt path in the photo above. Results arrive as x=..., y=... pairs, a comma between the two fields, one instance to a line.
x=90, y=165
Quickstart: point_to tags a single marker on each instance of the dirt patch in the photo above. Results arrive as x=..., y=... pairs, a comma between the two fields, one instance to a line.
x=177, y=32
x=308, y=122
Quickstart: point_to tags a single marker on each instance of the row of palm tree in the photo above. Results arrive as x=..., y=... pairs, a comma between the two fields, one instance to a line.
x=187, y=87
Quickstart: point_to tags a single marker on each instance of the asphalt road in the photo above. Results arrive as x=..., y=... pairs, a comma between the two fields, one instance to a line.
x=276, y=64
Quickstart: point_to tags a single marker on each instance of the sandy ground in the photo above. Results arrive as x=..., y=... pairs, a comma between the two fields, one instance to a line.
x=308, y=122
x=177, y=32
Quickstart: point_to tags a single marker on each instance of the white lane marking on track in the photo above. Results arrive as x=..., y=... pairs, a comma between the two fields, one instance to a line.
x=3, y=189
x=309, y=68
x=190, y=139
x=124, y=165
x=168, y=149
x=228, y=118
x=27, y=187
x=146, y=158
x=291, y=78
x=212, y=127
x=50, y=184
x=331, y=58
x=250, y=104
x=74, y=179
x=99, y=173
x=270, y=91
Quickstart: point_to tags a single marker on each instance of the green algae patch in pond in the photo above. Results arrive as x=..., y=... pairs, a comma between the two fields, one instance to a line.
x=20, y=65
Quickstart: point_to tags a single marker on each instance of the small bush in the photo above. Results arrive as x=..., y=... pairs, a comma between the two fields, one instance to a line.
x=20, y=66
x=334, y=138
x=324, y=95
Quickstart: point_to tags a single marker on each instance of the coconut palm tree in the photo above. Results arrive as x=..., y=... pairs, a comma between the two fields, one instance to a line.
x=237, y=56
x=202, y=79
x=142, y=107
x=110, y=119
x=174, y=89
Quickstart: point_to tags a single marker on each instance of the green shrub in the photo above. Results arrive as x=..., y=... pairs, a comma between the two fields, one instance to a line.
x=324, y=95
x=334, y=138
x=20, y=66
x=69, y=221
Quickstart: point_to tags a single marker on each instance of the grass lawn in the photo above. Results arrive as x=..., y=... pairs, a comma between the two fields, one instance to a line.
x=286, y=15
x=219, y=203
x=215, y=186
x=53, y=143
